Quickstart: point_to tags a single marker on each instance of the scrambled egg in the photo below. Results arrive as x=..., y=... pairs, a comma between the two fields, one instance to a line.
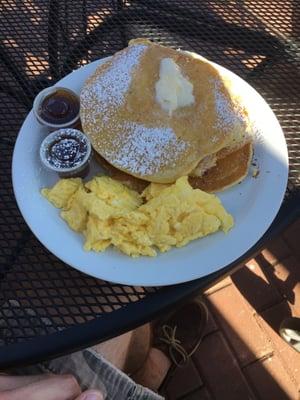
x=108, y=213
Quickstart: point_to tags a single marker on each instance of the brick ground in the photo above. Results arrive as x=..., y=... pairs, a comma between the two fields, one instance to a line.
x=242, y=355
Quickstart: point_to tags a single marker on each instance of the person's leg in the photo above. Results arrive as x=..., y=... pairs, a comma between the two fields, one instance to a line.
x=154, y=371
x=116, y=350
x=100, y=367
x=127, y=352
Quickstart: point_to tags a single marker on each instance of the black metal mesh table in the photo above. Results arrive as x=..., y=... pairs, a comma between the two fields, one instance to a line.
x=48, y=308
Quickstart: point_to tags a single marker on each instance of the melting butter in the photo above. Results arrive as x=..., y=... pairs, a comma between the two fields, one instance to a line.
x=173, y=90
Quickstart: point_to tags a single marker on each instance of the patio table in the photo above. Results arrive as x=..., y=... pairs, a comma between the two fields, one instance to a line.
x=47, y=308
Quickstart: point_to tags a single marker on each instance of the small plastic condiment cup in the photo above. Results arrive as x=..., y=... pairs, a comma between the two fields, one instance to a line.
x=79, y=170
x=75, y=122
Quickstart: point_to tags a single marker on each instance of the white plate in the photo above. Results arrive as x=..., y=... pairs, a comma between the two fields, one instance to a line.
x=254, y=204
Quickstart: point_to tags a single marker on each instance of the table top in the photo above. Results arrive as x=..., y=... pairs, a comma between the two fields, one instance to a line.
x=48, y=308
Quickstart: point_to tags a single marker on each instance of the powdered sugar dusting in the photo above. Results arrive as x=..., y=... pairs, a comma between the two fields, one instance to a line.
x=227, y=115
x=111, y=86
x=132, y=146
x=146, y=150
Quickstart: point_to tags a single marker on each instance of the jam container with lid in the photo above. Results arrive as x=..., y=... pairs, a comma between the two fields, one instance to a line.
x=67, y=152
x=57, y=107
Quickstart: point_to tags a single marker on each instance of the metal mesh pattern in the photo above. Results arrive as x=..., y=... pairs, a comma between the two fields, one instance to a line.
x=42, y=295
x=44, y=40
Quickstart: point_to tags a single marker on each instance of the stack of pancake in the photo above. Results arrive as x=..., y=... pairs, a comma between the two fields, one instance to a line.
x=139, y=140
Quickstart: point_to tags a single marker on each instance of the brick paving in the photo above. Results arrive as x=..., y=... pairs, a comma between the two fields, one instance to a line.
x=242, y=355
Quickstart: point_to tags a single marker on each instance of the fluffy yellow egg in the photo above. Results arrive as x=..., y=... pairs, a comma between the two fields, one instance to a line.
x=108, y=213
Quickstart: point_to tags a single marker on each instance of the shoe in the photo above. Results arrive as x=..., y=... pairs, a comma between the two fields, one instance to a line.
x=179, y=334
x=290, y=332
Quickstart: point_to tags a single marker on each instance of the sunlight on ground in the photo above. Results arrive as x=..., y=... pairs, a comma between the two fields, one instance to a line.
x=35, y=65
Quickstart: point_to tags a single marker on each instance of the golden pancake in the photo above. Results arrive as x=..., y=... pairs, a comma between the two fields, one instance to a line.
x=132, y=132
x=228, y=171
x=211, y=160
x=130, y=181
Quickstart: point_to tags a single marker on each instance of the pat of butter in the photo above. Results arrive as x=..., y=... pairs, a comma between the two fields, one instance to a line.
x=173, y=90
